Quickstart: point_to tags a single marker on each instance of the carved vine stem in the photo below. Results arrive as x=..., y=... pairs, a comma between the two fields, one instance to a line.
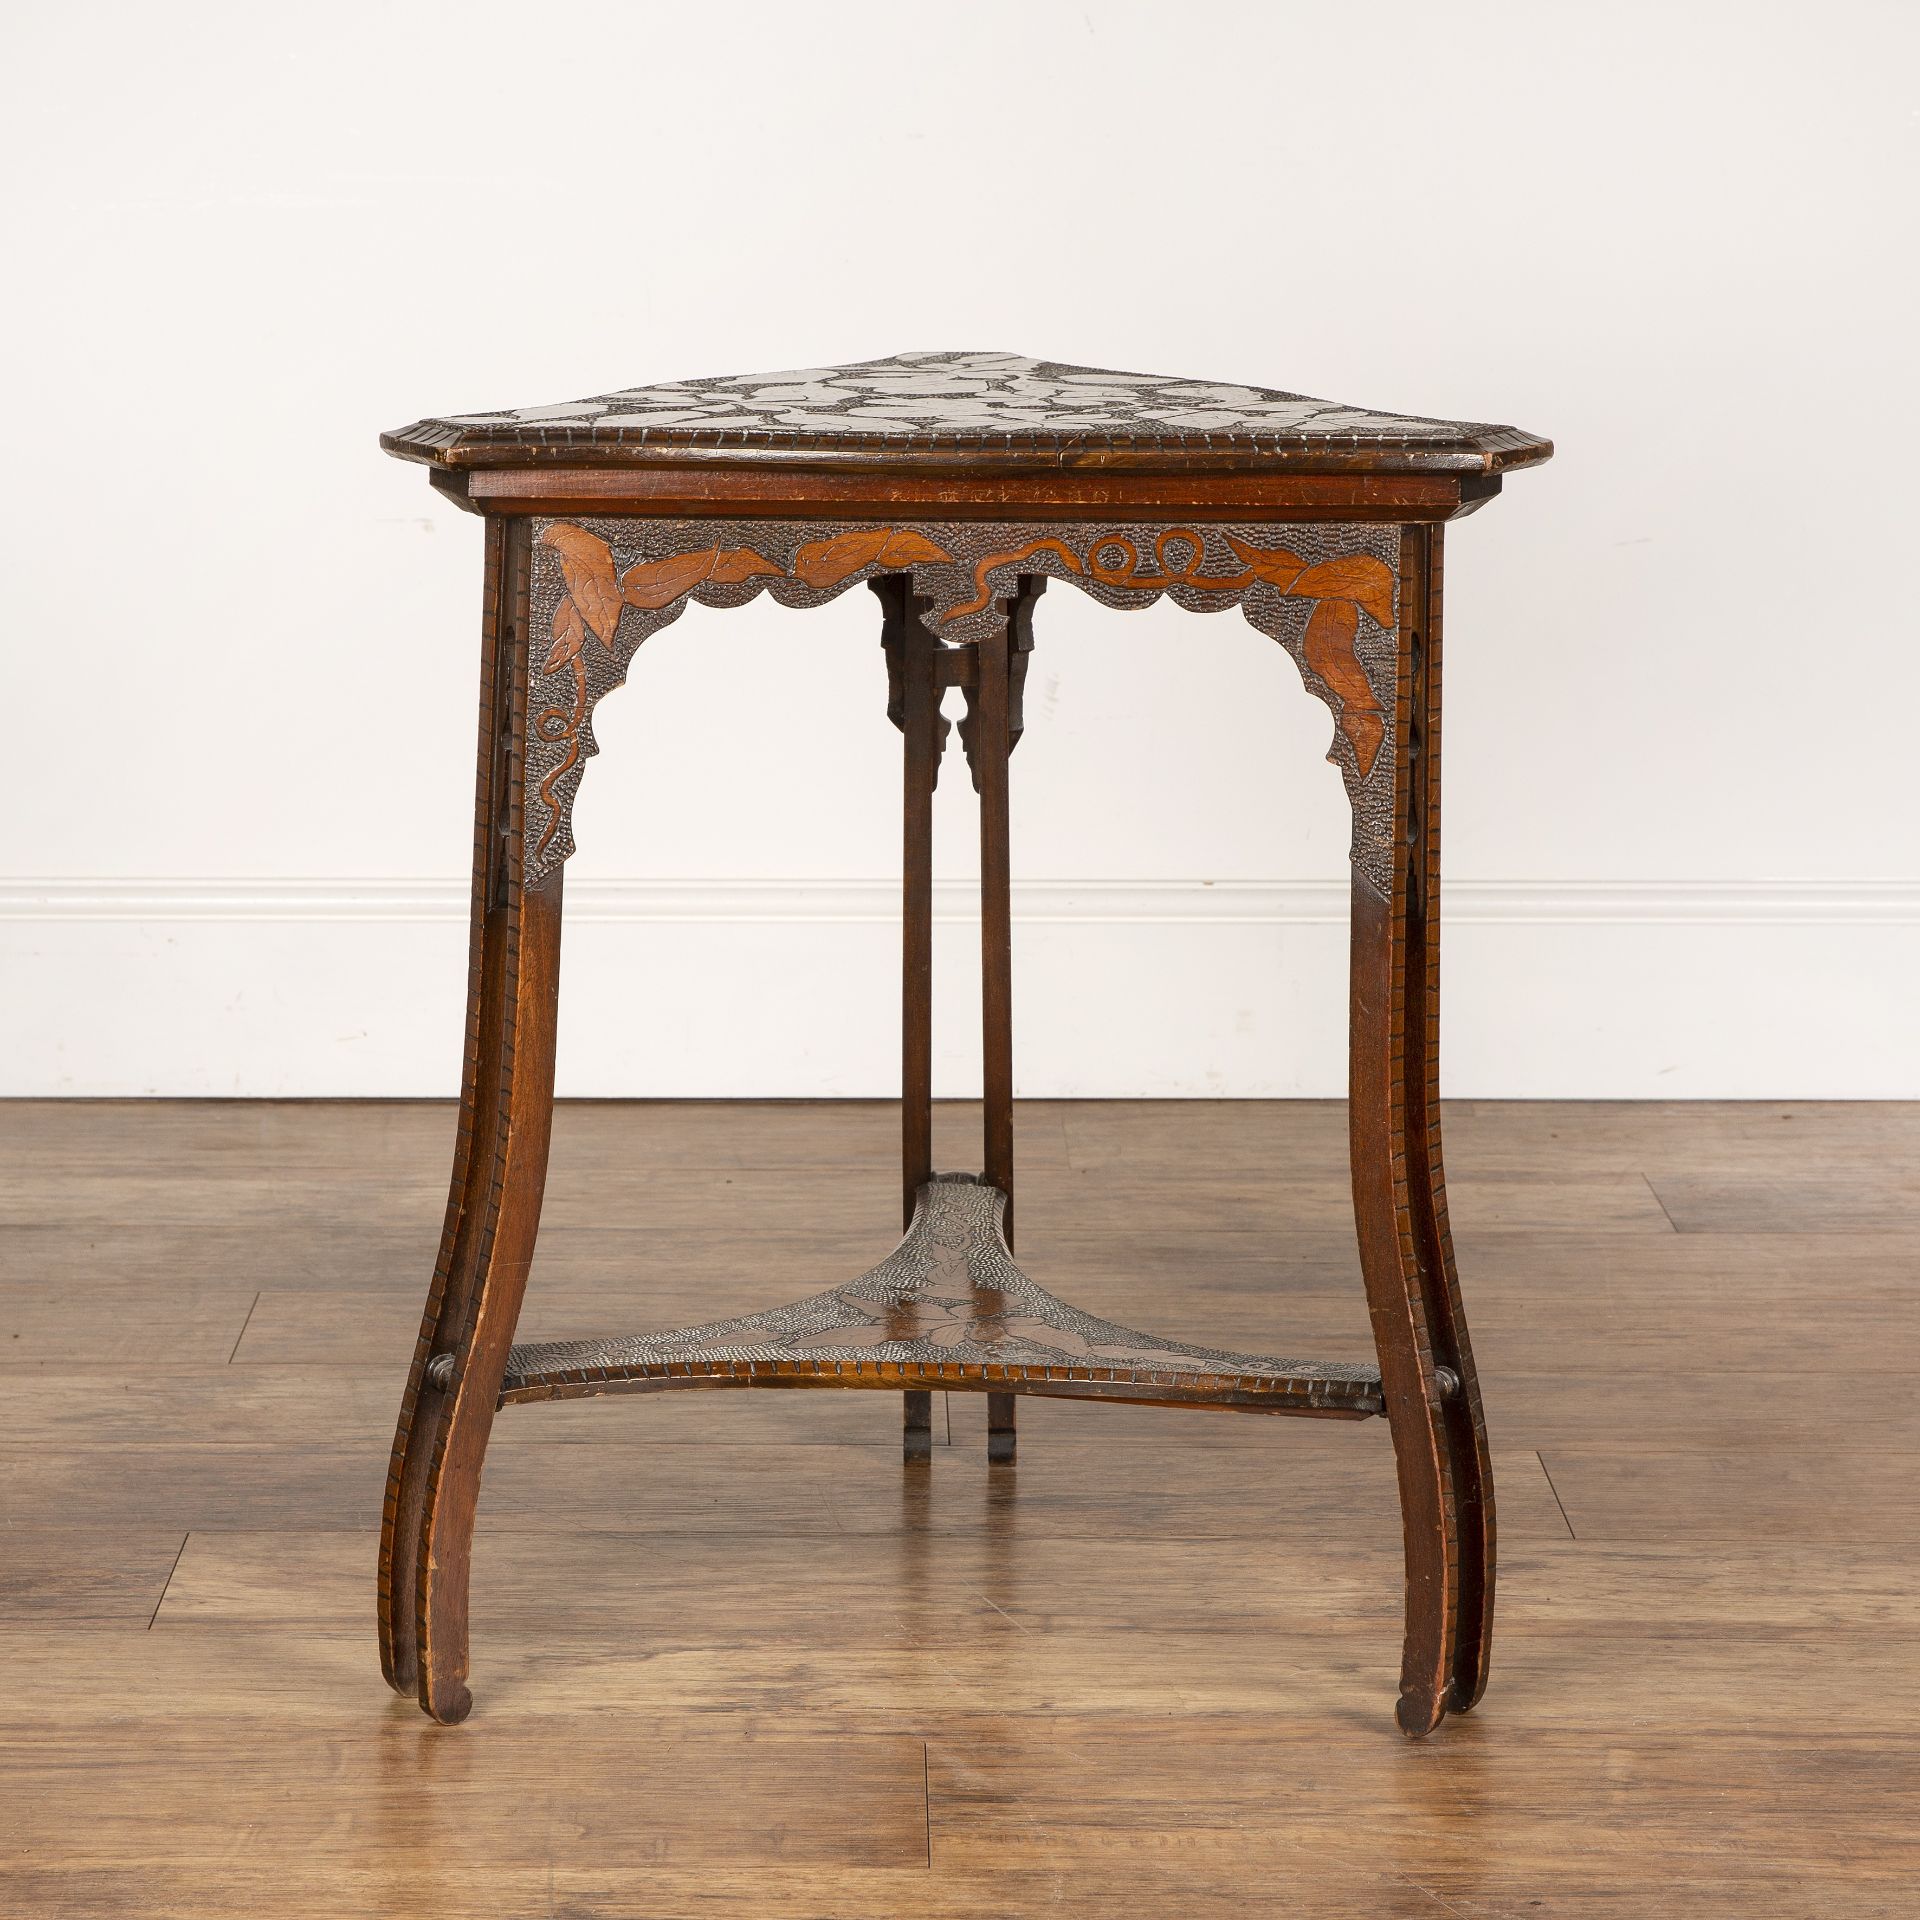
x=561, y=725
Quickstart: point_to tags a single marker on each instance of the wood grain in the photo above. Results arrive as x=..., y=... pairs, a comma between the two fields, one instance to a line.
x=624, y=1482
x=74, y=1576
x=701, y=1586
x=714, y=491
x=707, y=1796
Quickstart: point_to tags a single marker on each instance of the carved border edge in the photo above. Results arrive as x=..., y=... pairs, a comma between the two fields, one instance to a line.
x=1327, y=592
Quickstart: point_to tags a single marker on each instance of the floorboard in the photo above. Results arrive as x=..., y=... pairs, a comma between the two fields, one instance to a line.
x=732, y=1659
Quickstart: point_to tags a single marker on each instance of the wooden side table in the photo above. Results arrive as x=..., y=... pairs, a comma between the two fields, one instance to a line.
x=955, y=485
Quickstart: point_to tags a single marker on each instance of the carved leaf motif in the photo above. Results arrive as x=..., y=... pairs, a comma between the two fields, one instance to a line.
x=586, y=564
x=820, y=563
x=734, y=564
x=656, y=583
x=1329, y=652
x=905, y=548
x=1268, y=563
x=1359, y=577
x=1366, y=730
x=569, y=634
x=823, y=563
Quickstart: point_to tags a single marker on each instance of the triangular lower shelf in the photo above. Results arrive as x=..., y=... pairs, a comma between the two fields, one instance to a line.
x=948, y=1309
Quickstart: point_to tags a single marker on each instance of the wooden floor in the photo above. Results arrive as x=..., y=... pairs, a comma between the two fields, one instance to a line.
x=732, y=1659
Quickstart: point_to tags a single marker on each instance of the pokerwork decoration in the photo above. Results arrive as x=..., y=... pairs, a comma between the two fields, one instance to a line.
x=949, y=1295
x=912, y=401
x=1327, y=593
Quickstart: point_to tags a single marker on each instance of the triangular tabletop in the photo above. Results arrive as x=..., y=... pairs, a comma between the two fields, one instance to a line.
x=998, y=408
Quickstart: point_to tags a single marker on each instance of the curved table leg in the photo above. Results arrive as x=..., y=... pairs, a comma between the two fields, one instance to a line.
x=493, y=1211
x=1426, y=1363
x=1465, y=1421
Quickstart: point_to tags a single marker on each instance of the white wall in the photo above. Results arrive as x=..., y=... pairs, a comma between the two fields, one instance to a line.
x=240, y=644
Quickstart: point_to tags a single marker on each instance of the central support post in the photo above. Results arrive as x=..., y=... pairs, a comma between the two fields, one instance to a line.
x=989, y=744
x=991, y=674
x=914, y=704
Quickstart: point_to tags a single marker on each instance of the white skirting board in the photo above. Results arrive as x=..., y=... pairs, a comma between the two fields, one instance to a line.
x=1123, y=988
